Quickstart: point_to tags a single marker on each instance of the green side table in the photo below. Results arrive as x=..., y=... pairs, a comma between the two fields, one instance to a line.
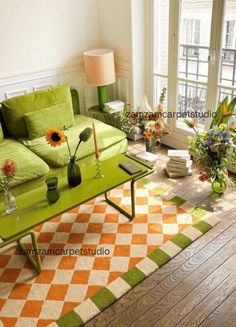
x=102, y=116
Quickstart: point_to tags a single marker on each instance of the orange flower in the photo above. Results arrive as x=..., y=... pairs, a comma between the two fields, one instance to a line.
x=55, y=137
x=8, y=168
x=148, y=134
x=224, y=110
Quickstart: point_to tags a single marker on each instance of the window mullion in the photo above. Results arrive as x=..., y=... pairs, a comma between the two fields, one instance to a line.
x=215, y=50
x=174, y=12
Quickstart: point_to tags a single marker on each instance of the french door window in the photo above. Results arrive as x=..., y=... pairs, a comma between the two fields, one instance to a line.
x=195, y=57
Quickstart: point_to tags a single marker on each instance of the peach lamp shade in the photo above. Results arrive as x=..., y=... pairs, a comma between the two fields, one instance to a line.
x=99, y=67
x=100, y=71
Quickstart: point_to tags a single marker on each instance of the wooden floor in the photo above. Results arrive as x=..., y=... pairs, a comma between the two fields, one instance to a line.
x=197, y=287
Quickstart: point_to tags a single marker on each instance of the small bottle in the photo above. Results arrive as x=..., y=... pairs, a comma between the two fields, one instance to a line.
x=53, y=193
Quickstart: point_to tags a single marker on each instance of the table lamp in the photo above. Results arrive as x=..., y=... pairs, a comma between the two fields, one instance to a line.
x=100, y=71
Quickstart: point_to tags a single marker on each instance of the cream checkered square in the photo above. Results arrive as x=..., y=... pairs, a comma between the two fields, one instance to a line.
x=169, y=209
x=49, y=227
x=170, y=229
x=155, y=218
x=138, y=251
x=118, y=287
x=119, y=264
x=38, y=292
x=62, y=276
x=12, y=308
x=98, y=277
x=76, y=293
x=26, y=322
x=87, y=310
x=123, y=238
x=79, y=228
x=51, y=309
x=184, y=218
x=68, y=217
x=91, y=238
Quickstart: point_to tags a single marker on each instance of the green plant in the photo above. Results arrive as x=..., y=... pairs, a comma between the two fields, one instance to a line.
x=213, y=150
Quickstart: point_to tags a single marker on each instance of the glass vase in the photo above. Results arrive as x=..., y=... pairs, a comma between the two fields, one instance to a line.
x=150, y=144
x=53, y=193
x=218, y=187
x=10, y=202
x=73, y=172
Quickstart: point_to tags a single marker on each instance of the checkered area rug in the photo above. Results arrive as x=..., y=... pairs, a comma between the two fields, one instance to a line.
x=119, y=255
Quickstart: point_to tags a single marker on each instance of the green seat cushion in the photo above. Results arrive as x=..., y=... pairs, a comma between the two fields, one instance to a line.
x=39, y=121
x=15, y=108
x=29, y=166
x=1, y=133
x=58, y=157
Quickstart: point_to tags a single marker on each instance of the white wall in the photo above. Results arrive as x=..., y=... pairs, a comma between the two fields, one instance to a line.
x=115, y=33
x=42, y=42
x=41, y=34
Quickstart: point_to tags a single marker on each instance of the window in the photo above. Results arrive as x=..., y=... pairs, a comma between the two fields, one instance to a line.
x=199, y=61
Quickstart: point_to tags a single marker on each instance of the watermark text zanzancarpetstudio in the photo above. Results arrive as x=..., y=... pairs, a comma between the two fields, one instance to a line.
x=68, y=252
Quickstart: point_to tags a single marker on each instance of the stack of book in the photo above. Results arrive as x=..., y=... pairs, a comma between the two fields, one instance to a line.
x=114, y=106
x=179, y=164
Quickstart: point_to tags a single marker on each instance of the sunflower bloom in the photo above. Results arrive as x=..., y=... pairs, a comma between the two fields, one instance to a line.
x=148, y=134
x=55, y=137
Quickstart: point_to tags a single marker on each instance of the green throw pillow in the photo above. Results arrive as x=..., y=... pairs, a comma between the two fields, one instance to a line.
x=15, y=108
x=1, y=133
x=38, y=122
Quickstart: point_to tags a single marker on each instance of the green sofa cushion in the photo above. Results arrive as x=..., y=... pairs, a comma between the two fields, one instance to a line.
x=29, y=166
x=58, y=157
x=39, y=121
x=1, y=133
x=15, y=108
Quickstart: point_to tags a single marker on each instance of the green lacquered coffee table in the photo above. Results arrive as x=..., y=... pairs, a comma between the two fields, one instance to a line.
x=33, y=208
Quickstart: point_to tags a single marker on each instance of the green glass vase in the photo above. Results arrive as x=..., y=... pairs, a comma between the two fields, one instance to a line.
x=150, y=144
x=218, y=187
x=73, y=172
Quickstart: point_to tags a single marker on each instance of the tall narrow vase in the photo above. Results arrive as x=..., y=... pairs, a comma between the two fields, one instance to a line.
x=10, y=202
x=73, y=172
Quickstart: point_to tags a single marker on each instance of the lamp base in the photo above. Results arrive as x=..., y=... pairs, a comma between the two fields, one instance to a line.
x=102, y=96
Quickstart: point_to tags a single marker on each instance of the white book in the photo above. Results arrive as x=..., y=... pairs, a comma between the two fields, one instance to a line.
x=148, y=156
x=180, y=159
x=180, y=164
x=178, y=153
x=176, y=174
x=115, y=105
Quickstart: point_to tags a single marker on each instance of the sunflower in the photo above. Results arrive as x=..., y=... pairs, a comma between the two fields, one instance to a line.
x=148, y=134
x=55, y=137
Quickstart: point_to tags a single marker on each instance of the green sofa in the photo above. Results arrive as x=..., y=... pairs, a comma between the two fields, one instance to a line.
x=23, y=123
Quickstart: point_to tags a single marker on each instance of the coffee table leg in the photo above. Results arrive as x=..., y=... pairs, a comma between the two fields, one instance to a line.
x=35, y=262
x=123, y=211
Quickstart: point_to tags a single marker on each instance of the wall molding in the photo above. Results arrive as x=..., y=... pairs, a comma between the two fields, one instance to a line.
x=74, y=75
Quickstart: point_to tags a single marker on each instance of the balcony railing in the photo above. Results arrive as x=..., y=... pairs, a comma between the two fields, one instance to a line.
x=194, y=65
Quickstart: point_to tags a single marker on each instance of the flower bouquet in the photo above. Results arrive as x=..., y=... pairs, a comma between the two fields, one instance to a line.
x=8, y=170
x=55, y=137
x=145, y=121
x=213, y=150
